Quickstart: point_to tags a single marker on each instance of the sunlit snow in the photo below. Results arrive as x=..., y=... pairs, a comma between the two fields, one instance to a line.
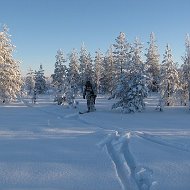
x=46, y=146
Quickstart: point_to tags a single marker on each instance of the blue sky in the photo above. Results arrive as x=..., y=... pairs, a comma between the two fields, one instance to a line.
x=40, y=27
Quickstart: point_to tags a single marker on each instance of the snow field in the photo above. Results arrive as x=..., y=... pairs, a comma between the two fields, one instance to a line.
x=45, y=146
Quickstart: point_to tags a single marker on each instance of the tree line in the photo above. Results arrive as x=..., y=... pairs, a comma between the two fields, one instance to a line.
x=120, y=73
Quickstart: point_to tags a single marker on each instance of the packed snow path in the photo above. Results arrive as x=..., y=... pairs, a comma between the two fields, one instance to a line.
x=45, y=146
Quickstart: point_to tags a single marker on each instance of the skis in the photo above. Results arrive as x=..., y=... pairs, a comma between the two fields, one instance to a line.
x=83, y=112
x=87, y=111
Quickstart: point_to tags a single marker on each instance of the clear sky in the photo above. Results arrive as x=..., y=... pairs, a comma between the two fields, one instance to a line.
x=40, y=27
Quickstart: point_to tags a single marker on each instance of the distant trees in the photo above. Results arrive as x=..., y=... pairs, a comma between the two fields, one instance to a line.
x=36, y=82
x=122, y=73
x=30, y=81
x=10, y=76
x=40, y=81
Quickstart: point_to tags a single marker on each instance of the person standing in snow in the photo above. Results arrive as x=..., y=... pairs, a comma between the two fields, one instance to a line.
x=34, y=97
x=90, y=96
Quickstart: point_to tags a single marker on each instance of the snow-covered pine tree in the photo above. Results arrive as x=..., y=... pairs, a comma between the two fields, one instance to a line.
x=30, y=81
x=132, y=88
x=40, y=81
x=136, y=65
x=136, y=79
x=73, y=73
x=109, y=73
x=89, y=68
x=183, y=93
x=60, y=73
x=86, y=67
x=10, y=76
x=169, y=79
x=121, y=53
x=72, y=80
x=186, y=70
x=70, y=96
x=152, y=63
x=49, y=85
x=98, y=71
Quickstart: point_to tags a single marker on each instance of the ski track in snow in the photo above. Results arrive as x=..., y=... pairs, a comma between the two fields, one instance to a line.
x=131, y=176
x=74, y=116
x=158, y=140
x=52, y=133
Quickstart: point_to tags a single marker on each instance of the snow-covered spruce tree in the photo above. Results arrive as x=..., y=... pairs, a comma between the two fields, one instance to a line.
x=137, y=79
x=86, y=67
x=169, y=79
x=60, y=73
x=49, y=85
x=132, y=88
x=10, y=76
x=98, y=71
x=30, y=81
x=69, y=96
x=109, y=72
x=152, y=64
x=73, y=79
x=73, y=75
x=40, y=81
x=121, y=53
x=186, y=71
x=183, y=93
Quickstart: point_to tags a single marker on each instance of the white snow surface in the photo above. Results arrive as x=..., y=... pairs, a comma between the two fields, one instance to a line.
x=51, y=147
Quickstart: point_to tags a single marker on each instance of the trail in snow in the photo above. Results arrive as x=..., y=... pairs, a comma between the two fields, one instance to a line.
x=74, y=116
x=131, y=176
x=160, y=141
x=55, y=133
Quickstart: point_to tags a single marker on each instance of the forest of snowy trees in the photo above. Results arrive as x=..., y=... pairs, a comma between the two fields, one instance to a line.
x=123, y=73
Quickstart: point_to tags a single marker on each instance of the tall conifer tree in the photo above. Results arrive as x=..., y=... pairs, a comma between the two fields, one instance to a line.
x=60, y=72
x=132, y=89
x=109, y=72
x=86, y=67
x=152, y=64
x=30, y=81
x=186, y=70
x=169, y=79
x=121, y=53
x=98, y=71
x=73, y=72
x=10, y=76
x=40, y=81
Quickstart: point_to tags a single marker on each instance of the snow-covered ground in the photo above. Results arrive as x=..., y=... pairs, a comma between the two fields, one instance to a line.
x=46, y=146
